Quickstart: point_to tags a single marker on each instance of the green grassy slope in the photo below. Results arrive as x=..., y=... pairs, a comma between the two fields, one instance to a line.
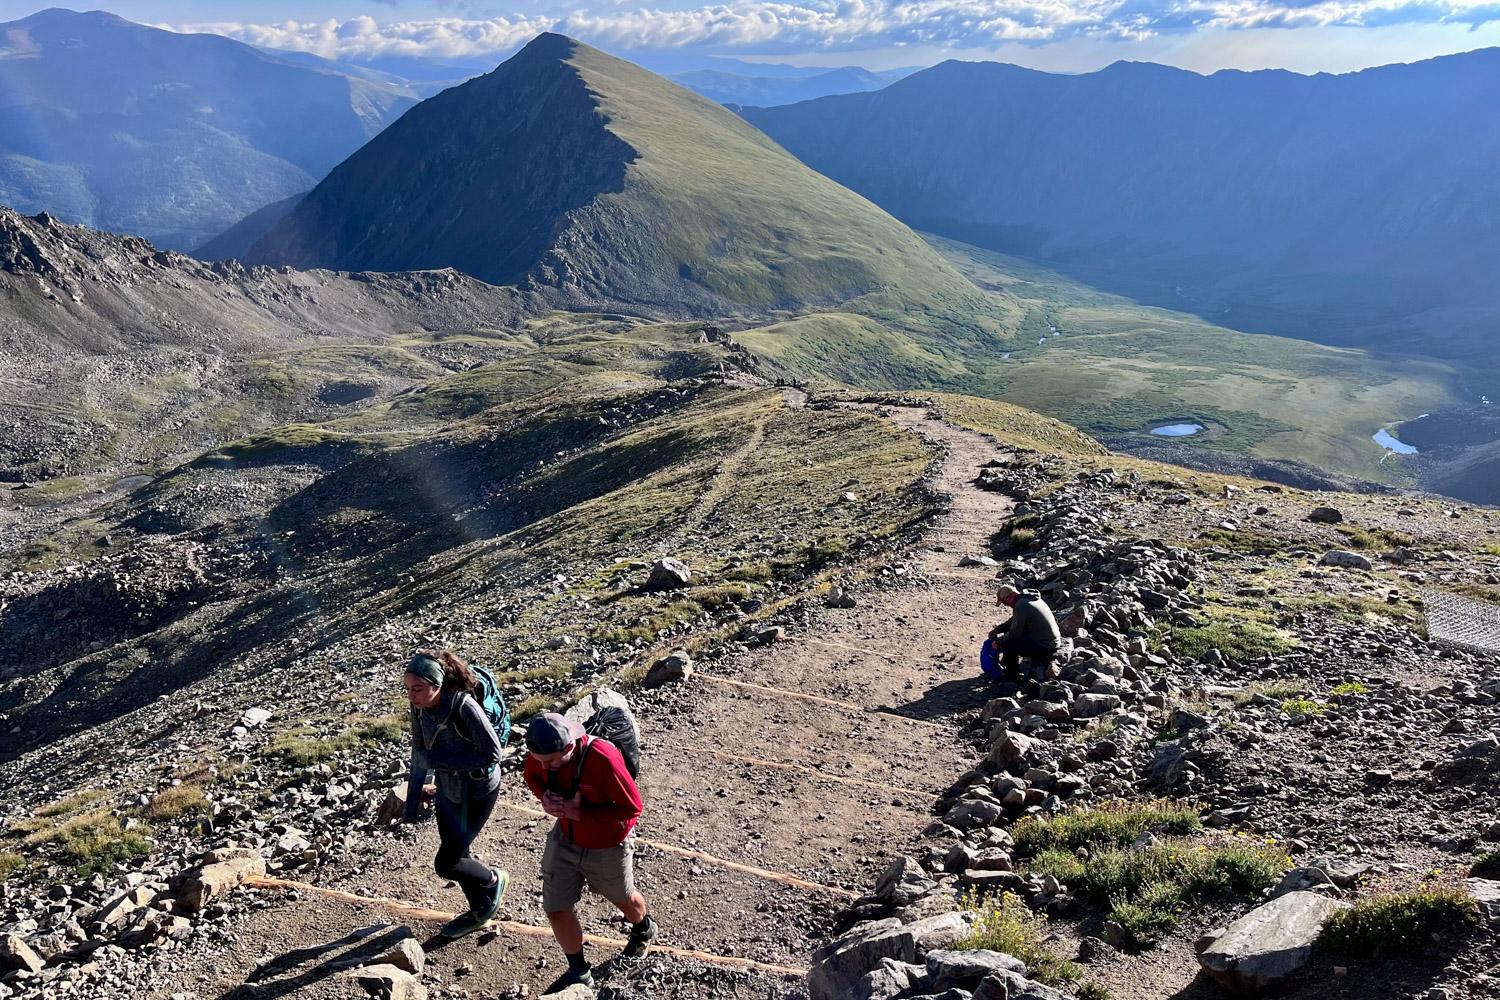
x=1116, y=367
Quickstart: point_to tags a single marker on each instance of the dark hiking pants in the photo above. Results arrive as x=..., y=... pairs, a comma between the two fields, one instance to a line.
x=1011, y=652
x=458, y=824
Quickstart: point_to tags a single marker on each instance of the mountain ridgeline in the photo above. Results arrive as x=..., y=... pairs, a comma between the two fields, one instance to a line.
x=1354, y=209
x=169, y=136
x=591, y=182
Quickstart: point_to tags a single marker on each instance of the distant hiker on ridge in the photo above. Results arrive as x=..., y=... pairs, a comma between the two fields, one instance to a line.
x=1031, y=632
x=453, y=720
x=584, y=783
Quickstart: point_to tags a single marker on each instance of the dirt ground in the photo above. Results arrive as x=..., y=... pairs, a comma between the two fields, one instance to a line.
x=861, y=775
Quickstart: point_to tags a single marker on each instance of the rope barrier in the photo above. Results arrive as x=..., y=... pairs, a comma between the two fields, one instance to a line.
x=823, y=701
x=416, y=912
x=685, y=852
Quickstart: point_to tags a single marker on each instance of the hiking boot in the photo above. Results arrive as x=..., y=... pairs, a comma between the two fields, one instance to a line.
x=502, y=882
x=641, y=935
x=468, y=923
x=570, y=978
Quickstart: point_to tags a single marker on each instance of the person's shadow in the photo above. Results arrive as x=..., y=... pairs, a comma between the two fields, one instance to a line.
x=325, y=960
x=952, y=698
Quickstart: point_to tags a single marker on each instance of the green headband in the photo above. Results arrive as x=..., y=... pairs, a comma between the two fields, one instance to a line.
x=427, y=668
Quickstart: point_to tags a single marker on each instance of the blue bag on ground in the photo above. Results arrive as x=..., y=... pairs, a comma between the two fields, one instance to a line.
x=989, y=659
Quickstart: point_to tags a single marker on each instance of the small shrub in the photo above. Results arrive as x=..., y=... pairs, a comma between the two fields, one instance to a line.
x=304, y=745
x=1237, y=633
x=74, y=803
x=657, y=621
x=1008, y=925
x=96, y=842
x=1349, y=689
x=391, y=728
x=1486, y=866
x=1302, y=706
x=755, y=572
x=533, y=705
x=1111, y=824
x=1279, y=690
x=1253, y=543
x=1060, y=865
x=1093, y=991
x=1143, y=924
x=10, y=864
x=1147, y=888
x=714, y=598
x=1022, y=537
x=173, y=802
x=1375, y=538
x=1398, y=922
x=825, y=551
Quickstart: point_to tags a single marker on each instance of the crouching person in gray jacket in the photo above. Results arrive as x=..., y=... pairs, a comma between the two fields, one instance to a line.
x=1031, y=632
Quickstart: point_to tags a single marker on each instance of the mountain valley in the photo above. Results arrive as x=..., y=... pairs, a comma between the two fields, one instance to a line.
x=577, y=373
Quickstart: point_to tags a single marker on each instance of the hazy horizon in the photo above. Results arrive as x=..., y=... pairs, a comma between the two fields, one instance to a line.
x=1075, y=37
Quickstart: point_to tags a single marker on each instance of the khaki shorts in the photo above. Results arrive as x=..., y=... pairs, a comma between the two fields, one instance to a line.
x=609, y=871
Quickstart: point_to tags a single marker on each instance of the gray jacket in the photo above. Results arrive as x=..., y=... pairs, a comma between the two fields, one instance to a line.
x=1032, y=625
x=454, y=738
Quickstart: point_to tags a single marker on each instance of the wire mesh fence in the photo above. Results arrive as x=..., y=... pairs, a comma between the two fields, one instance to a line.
x=1461, y=620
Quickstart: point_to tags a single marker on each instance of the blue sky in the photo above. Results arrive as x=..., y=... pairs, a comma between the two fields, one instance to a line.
x=1064, y=35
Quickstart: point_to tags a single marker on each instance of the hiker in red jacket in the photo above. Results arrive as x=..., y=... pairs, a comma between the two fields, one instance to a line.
x=582, y=781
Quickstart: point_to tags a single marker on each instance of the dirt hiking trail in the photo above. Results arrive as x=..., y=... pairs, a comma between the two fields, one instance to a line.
x=816, y=757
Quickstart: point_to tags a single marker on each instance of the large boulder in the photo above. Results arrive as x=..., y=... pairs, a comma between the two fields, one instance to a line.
x=903, y=882
x=389, y=983
x=1326, y=515
x=585, y=708
x=393, y=806
x=968, y=967
x=676, y=666
x=407, y=954
x=888, y=980
x=202, y=885
x=1486, y=893
x=1013, y=750
x=16, y=955
x=1347, y=560
x=118, y=912
x=839, y=966
x=1269, y=943
x=1089, y=706
x=669, y=574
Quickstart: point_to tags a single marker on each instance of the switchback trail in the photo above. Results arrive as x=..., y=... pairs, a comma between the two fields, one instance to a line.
x=809, y=767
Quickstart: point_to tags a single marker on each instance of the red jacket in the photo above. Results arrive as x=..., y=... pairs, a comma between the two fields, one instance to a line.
x=611, y=803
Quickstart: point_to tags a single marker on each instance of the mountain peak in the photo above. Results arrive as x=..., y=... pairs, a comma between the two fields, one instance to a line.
x=64, y=15
x=602, y=185
x=551, y=45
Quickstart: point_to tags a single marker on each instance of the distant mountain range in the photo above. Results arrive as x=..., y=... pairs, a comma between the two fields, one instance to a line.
x=739, y=88
x=589, y=181
x=1355, y=209
x=174, y=137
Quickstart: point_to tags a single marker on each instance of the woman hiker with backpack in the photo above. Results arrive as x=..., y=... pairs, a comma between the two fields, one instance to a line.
x=452, y=734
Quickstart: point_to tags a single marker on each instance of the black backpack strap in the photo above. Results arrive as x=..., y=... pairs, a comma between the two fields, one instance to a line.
x=583, y=752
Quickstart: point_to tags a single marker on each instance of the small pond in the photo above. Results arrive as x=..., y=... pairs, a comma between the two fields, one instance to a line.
x=1177, y=430
x=1385, y=439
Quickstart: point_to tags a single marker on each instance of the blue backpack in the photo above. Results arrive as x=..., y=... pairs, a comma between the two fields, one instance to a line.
x=487, y=693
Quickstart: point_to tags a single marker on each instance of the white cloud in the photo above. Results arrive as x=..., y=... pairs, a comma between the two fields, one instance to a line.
x=840, y=25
